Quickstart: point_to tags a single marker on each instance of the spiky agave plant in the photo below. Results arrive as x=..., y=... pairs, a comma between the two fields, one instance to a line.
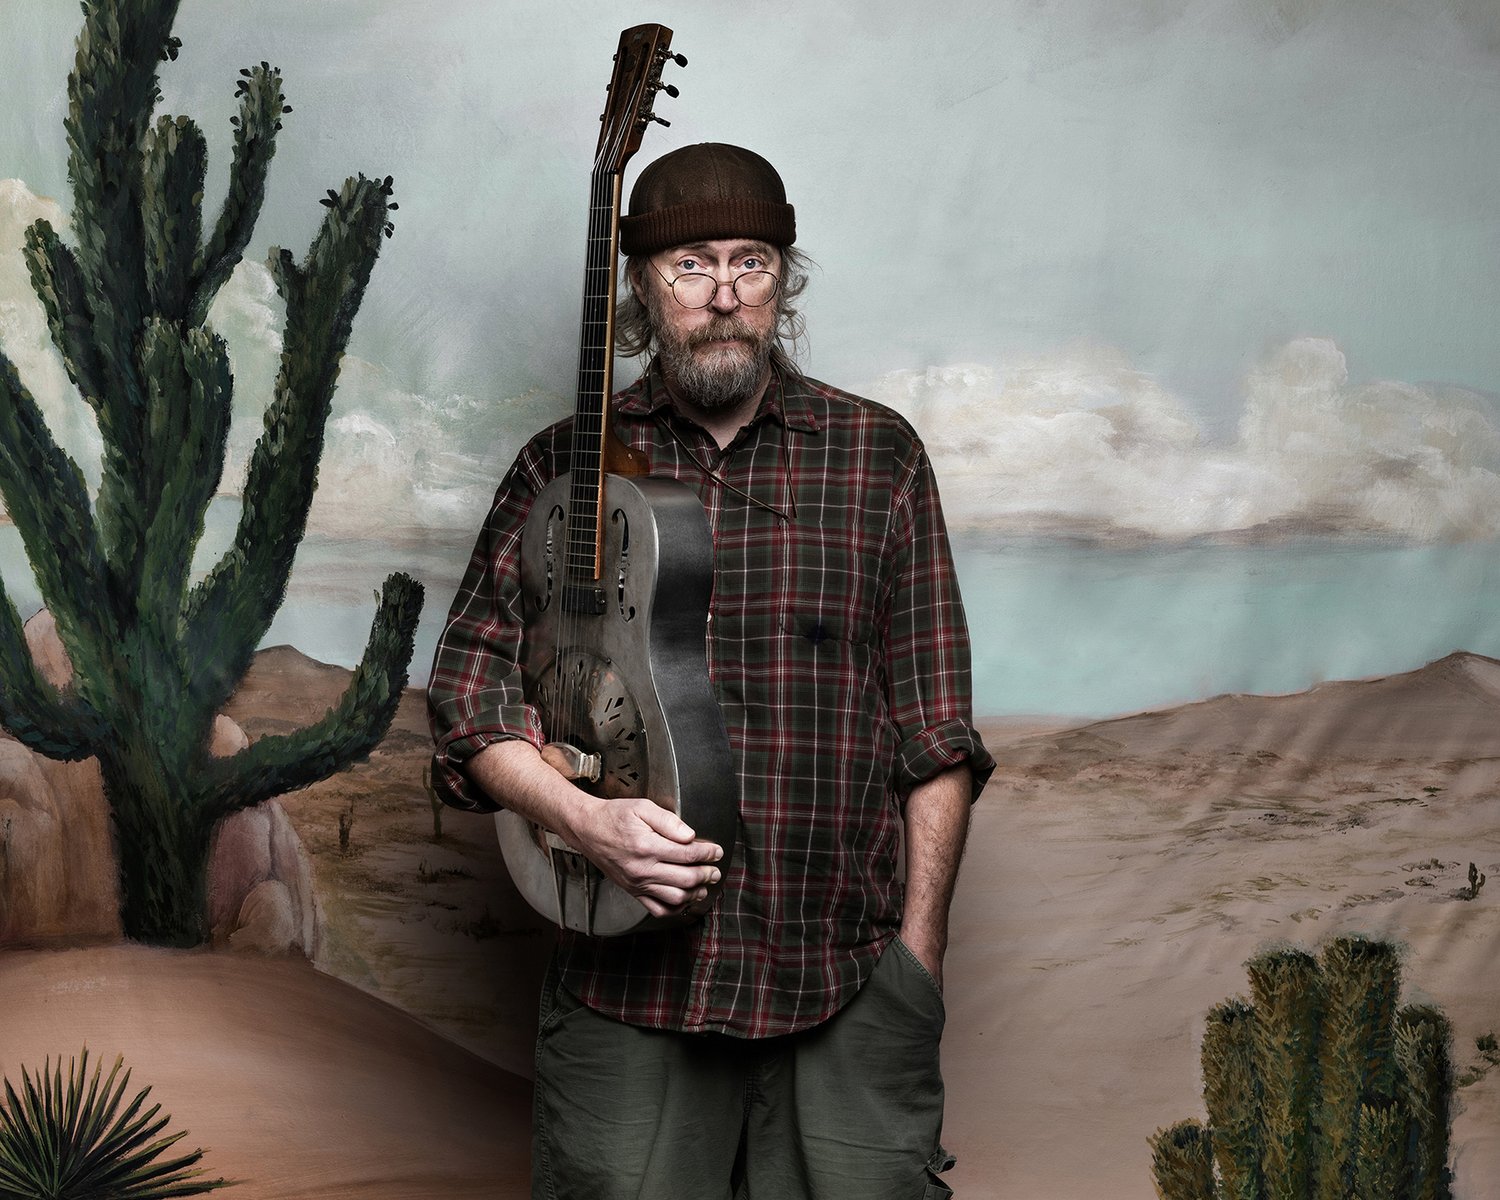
x=64, y=1141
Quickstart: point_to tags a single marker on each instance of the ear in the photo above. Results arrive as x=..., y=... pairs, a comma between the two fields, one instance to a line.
x=633, y=276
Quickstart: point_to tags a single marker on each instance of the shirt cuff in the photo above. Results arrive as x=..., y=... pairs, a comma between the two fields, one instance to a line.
x=936, y=749
x=453, y=786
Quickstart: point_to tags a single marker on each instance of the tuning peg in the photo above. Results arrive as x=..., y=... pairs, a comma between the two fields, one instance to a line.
x=660, y=120
x=679, y=59
x=668, y=88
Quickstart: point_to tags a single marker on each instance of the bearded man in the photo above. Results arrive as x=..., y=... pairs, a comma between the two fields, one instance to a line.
x=785, y=1043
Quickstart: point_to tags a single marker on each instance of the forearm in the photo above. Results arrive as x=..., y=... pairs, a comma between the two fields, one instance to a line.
x=937, y=825
x=513, y=774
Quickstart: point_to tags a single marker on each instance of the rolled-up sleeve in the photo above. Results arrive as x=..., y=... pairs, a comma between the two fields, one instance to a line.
x=927, y=642
x=475, y=695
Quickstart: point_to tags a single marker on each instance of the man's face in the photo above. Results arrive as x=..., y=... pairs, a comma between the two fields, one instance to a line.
x=717, y=356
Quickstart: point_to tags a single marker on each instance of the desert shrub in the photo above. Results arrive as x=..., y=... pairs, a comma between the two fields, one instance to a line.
x=69, y=1138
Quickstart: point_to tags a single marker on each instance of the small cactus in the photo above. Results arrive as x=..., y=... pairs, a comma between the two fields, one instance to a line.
x=1182, y=1157
x=1323, y=1088
x=1476, y=881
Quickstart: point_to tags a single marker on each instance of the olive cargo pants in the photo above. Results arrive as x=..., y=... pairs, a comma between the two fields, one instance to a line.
x=849, y=1110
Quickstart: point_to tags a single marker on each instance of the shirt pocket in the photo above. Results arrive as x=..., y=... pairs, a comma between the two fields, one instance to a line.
x=830, y=582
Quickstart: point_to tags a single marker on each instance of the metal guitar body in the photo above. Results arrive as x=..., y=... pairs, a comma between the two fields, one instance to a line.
x=617, y=668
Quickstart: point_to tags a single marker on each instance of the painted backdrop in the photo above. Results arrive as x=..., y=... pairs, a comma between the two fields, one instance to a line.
x=1194, y=302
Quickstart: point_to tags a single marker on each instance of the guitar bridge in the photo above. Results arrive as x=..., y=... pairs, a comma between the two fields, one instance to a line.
x=568, y=864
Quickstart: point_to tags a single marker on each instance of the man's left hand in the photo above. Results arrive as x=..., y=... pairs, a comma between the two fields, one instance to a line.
x=929, y=951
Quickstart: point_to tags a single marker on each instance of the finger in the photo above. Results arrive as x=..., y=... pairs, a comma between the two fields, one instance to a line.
x=690, y=855
x=666, y=902
x=664, y=822
x=686, y=878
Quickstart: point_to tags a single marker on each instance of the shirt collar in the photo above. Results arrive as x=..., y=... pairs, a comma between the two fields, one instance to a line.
x=785, y=400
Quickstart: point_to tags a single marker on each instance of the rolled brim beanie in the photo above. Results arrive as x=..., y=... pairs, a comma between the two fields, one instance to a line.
x=707, y=191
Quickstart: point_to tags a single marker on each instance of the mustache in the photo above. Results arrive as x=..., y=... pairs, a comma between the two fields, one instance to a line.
x=721, y=328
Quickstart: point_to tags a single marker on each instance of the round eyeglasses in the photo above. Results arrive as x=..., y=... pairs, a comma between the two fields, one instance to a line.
x=695, y=290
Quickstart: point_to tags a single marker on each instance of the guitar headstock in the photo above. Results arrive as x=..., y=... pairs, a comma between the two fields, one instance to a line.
x=644, y=50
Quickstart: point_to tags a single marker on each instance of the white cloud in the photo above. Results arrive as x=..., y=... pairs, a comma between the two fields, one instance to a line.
x=1083, y=443
x=393, y=459
x=1080, y=442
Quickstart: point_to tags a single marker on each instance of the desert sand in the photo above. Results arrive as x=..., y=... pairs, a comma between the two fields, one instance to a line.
x=295, y=1085
x=1118, y=877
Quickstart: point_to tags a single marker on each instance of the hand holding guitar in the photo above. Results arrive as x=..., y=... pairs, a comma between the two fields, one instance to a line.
x=648, y=851
x=645, y=849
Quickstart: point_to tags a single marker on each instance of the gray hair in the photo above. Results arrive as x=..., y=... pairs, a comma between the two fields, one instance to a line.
x=634, y=335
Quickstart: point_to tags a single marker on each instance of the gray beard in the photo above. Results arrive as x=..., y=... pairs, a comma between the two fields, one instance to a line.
x=720, y=380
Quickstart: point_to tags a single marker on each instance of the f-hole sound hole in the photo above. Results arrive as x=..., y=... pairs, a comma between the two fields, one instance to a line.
x=549, y=559
x=627, y=611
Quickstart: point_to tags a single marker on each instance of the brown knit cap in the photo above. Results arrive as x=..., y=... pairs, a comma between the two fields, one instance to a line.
x=706, y=191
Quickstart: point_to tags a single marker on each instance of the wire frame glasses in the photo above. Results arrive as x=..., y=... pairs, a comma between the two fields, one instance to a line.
x=696, y=290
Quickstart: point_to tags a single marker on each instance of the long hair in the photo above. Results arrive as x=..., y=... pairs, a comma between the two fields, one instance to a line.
x=635, y=336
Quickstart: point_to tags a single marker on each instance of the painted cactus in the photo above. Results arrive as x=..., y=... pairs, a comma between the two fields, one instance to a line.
x=1320, y=1088
x=156, y=655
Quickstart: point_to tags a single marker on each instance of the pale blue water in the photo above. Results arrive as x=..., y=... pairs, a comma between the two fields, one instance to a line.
x=1058, y=628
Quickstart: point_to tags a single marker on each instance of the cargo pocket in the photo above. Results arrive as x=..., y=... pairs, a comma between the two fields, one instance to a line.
x=940, y=1161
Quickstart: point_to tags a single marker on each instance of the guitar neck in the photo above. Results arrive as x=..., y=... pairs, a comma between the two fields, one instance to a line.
x=595, y=379
x=643, y=51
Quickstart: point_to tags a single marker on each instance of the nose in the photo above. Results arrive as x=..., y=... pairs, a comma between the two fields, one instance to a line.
x=724, y=301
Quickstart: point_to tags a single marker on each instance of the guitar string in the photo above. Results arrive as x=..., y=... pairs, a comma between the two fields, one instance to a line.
x=587, y=447
x=569, y=685
x=587, y=484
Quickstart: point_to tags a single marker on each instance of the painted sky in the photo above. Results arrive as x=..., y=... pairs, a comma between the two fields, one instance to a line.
x=1159, y=267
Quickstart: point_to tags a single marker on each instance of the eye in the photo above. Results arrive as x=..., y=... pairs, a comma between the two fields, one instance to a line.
x=688, y=264
x=753, y=263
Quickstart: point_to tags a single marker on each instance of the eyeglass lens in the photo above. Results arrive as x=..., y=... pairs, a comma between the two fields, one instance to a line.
x=751, y=289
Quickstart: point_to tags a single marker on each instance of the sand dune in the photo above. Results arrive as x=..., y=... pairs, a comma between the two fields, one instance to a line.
x=1447, y=710
x=295, y=1084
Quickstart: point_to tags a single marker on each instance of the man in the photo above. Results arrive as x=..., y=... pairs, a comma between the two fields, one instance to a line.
x=785, y=1044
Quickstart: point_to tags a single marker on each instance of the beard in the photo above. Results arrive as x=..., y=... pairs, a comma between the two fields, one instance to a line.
x=719, y=378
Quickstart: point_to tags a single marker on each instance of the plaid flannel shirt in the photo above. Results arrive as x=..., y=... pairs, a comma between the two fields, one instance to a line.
x=839, y=655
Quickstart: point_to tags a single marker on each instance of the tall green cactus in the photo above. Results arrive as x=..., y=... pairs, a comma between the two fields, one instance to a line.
x=1321, y=1089
x=155, y=655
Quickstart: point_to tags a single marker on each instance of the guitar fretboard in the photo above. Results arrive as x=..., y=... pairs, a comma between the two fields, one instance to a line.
x=595, y=375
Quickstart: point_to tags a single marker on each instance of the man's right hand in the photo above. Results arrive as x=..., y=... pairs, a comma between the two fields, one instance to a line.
x=648, y=851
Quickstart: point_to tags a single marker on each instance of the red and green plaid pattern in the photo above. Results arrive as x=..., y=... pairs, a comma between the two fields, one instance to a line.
x=839, y=654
